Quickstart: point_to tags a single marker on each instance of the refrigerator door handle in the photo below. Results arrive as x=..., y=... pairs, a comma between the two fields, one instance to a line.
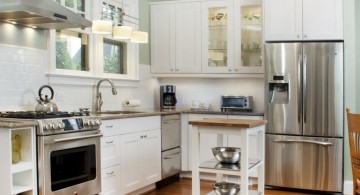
x=299, y=88
x=304, y=88
x=304, y=141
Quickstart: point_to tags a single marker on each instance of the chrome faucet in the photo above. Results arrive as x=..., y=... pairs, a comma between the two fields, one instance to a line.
x=99, y=101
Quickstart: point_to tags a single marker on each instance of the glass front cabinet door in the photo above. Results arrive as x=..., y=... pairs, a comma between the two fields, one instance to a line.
x=217, y=39
x=248, y=36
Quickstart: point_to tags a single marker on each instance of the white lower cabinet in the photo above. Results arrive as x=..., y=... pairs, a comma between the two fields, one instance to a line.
x=130, y=154
x=20, y=176
x=110, y=178
x=140, y=159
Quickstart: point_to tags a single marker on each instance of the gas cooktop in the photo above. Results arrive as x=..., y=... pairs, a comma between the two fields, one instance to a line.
x=40, y=115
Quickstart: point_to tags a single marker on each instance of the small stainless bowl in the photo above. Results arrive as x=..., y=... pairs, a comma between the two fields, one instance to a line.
x=227, y=154
x=224, y=188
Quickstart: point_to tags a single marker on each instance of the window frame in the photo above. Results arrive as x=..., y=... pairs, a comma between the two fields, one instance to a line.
x=96, y=58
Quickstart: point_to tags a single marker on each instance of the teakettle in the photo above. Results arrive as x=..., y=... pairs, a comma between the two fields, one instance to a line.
x=46, y=105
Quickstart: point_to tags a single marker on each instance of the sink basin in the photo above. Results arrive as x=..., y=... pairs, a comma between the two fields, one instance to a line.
x=119, y=112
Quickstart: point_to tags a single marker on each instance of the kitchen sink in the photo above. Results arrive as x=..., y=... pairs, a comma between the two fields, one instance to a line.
x=119, y=112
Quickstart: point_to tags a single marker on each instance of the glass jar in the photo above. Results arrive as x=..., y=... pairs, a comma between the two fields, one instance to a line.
x=16, y=146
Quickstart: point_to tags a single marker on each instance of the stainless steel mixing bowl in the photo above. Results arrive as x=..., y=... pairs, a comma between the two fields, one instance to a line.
x=227, y=154
x=225, y=188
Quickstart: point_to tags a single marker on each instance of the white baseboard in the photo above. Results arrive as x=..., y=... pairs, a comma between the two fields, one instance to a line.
x=348, y=187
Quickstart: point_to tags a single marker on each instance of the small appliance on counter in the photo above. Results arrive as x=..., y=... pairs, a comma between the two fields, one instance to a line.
x=236, y=103
x=167, y=96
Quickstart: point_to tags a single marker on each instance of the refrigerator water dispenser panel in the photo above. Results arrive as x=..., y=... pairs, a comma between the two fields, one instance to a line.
x=279, y=89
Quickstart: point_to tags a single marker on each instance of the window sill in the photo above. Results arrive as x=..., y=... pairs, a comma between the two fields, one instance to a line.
x=76, y=80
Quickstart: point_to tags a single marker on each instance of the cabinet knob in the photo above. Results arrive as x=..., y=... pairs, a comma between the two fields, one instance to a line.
x=305, y=36
x=236, y=70
x=141, y=137
x=145, y=136
x=177, y=70
x=171, y=69
x=298, y=36
x=229, y=70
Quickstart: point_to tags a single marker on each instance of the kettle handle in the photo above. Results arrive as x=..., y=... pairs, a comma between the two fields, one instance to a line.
x=51, y=90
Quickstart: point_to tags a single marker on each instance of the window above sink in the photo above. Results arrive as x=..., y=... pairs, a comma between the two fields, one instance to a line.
x=78, y=57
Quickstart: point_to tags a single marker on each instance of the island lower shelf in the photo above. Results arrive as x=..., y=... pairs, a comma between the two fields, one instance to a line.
x=251, y=192
x=214, y=166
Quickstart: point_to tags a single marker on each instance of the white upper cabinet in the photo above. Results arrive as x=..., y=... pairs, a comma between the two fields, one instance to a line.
x=188, y=38
x=205, y=37
x=217, y=37
x=176, y=38
x=163, y=38
x=298, y=20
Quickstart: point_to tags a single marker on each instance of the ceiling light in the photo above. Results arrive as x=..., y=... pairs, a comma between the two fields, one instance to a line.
x=122, y=32
x=103, y=27
x=139, y=37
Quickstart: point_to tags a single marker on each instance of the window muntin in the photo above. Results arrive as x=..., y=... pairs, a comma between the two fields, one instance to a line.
x=72, y=51
x=114, y=57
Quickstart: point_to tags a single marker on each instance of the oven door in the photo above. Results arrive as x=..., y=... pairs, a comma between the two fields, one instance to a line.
x=69, y=164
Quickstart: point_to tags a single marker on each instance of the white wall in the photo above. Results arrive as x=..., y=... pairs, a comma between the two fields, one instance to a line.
x=210, y=89
x=22, y=73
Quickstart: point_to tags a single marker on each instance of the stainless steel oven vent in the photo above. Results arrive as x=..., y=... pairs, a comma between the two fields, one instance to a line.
x=43, y=14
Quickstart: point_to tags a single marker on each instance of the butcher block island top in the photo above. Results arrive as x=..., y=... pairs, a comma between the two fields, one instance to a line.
x=228, y=122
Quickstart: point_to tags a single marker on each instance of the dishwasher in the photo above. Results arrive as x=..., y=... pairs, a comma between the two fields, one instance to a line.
x=170, y=149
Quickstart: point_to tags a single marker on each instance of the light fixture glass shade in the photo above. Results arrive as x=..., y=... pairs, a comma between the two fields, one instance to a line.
x=139, y=37
x=103, y=27
x=122, y=32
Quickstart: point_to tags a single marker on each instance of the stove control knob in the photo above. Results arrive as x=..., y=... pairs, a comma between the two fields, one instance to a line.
x=92, y=123
x=55, y=126
x=98, y=122
x=86, y=123
x=47, y=126
x=61, y=125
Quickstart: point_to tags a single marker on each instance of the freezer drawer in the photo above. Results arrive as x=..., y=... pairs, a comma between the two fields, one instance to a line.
x=304, y=162
x=171, y=162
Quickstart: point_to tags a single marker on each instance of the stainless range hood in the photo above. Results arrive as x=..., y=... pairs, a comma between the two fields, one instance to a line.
x=44, y=14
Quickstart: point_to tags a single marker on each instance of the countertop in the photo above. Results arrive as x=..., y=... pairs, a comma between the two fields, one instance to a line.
x=20, y=123
x=155, y=112
x=17, y=123
x=228, y=122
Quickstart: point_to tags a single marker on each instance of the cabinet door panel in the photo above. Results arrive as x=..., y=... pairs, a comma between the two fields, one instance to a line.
x=151, y=154
x=283, y=20
x=131, y=164
x=188, y=38
x=163, y=38
x=322, y=19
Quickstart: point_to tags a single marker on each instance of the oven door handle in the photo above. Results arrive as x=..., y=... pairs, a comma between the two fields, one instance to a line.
x=77, y=138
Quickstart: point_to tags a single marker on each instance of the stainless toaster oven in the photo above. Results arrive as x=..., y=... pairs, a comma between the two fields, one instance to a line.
x=236, y=103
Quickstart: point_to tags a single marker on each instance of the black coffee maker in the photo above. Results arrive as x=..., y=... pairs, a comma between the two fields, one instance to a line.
x=167, y=96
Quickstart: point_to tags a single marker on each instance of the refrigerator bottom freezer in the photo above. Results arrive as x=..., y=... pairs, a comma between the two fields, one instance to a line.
x=309, y=163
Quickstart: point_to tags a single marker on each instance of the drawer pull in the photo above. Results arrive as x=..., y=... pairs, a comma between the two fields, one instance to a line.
x=172, y=156
x=110, y=142
x=171, y=121
x=110, y=173
x=109, y=126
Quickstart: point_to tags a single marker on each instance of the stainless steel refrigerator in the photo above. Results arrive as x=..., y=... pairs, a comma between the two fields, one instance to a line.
x=304, y=109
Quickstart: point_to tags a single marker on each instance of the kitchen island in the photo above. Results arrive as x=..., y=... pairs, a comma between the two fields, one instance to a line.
x=244, y=128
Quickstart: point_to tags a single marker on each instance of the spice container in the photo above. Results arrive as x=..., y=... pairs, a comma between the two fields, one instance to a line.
x=16, y=146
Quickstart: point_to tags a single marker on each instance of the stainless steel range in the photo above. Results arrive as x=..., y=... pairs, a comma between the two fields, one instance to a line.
x=68, y=151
